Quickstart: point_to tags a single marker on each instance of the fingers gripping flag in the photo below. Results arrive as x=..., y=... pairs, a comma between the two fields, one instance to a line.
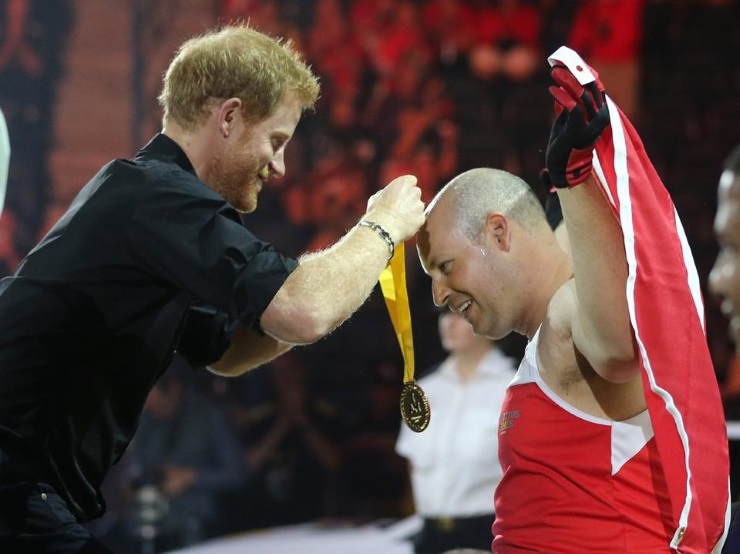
x=667, y=315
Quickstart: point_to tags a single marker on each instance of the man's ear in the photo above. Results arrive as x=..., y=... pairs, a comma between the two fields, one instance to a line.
x=497, y=231
x=229, y=116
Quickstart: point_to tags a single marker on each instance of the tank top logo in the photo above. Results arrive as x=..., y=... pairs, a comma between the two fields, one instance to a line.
x=506, y=421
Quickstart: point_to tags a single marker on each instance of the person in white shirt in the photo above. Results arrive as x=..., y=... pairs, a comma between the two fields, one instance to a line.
x=454, y=463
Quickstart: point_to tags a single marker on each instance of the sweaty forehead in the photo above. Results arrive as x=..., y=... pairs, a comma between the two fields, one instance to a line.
x=438, y=237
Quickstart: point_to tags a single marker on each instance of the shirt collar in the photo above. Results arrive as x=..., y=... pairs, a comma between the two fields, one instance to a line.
x=162, y=147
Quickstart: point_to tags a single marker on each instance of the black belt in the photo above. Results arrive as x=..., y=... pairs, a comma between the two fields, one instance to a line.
x=452, y=524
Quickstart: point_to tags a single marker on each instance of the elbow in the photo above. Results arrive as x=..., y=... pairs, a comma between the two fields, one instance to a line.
x=312, y=325
x=298, y=325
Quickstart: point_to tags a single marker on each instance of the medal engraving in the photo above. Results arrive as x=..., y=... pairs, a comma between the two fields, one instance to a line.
x=415, y=407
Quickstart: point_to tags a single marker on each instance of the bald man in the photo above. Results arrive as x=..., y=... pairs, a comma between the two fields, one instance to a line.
x=582, y=467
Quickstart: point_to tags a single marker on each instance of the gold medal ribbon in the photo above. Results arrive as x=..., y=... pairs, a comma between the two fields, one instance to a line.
x=414, y=404
x=393, y=284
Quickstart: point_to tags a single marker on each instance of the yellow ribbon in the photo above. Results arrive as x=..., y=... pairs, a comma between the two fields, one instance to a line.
x=393, y=284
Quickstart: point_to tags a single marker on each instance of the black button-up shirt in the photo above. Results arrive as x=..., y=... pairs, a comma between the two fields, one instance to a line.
x=147, y=261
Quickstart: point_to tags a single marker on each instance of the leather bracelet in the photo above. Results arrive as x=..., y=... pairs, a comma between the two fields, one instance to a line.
x=385, y=235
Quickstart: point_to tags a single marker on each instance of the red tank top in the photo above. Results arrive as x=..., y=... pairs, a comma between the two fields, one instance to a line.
x=575, y=483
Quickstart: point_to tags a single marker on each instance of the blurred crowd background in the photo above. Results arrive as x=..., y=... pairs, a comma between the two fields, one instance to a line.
x=431, y=88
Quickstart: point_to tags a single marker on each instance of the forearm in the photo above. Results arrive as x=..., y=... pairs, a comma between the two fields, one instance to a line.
x=327, y=287
x=600, y=321
x=248, y=350
x=602, y=328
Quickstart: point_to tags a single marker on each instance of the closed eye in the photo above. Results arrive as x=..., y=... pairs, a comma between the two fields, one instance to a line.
x=279, y=142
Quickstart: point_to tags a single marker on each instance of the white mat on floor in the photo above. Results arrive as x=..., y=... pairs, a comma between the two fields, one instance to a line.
x=317, y=538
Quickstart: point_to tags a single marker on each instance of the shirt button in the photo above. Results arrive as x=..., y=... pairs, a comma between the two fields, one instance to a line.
x=43, y=496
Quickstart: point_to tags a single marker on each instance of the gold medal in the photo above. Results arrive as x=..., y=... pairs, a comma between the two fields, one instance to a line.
x=415, y=407
x=414, y=404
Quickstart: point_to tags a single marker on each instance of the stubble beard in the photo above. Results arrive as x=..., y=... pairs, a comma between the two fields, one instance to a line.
x=236, y=179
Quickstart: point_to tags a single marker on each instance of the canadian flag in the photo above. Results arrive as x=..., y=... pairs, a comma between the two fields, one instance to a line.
x=667, y=315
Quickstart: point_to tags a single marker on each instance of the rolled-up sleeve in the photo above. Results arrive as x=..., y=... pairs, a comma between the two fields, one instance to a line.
x=189, y=236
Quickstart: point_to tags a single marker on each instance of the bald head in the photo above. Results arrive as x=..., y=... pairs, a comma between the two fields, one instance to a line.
x=476, y=193
x=490, y=252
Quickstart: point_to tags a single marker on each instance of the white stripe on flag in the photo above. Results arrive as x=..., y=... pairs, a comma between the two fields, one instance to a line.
x=625, y=215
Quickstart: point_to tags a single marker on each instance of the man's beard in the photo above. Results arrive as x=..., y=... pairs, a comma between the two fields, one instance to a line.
x=236, y=178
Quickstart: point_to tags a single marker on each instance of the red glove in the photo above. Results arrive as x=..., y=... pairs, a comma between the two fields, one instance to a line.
x=582, y=117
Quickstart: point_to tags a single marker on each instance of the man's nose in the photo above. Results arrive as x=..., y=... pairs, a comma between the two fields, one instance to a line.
x=277, y=165
x=440, y=292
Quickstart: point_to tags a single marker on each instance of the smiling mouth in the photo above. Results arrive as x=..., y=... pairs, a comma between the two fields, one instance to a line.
x=464, y=308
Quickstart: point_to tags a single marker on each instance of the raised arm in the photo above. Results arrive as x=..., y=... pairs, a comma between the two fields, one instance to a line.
x=600, y=324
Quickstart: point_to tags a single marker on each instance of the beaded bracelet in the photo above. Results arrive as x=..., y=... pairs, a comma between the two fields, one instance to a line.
x=385, y=235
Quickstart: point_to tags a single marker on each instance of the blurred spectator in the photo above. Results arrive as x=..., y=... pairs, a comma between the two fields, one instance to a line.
x=451, y=27
x=335, y=51
x=370, y=20
x=235, y=9
x=333, y=195
x=427, y=148
x=292, y=451
x=454, y=462
x=377, y=481
x=260, y=14
x=507, y=61
x=291, y=12
x=337, y=197
x=33, y=39
x=342, y=130
x=507, y=40
x=403, y=40
x=558, y=15
x=608, y=33
x=184, y=457
x=390, y=95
